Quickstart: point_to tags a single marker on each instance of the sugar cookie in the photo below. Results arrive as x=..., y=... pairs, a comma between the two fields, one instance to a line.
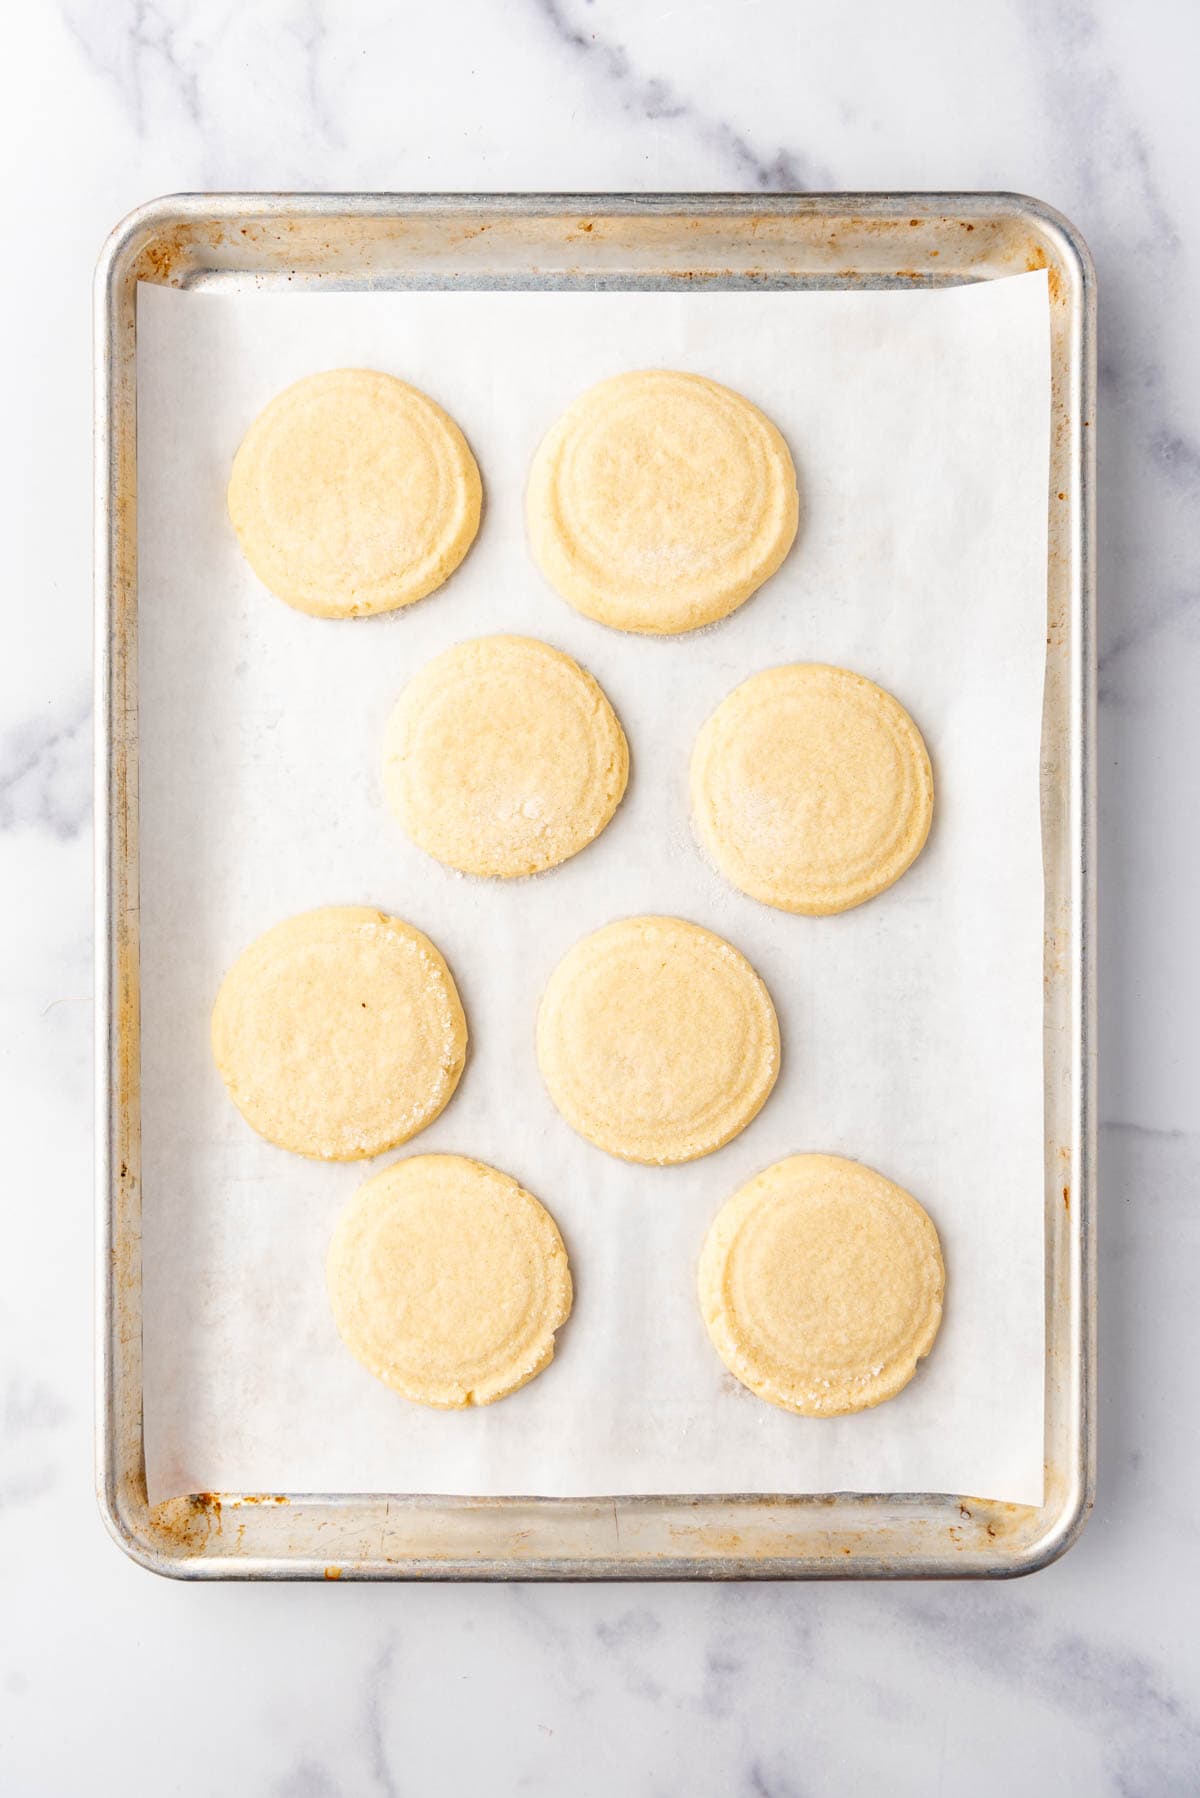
x=821, y=1284
x=339, y=1033
x=660, y=501
x=657, y=1040
x=811, y=788
x=448, y=1281
x=504, y=757
x=353, y=493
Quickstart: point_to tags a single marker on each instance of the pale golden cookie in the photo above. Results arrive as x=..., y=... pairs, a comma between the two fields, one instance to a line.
x=448, y=1281
x=821, y=1284
x=353, y=493
x=811, y=788
x=660, y=501
x=339, y=1033
x=504, y=757
x=657, y=1040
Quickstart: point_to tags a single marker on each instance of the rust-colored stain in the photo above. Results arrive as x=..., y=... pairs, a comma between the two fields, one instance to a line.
x=875, y=227
x=1036, y=258
x=165, y=255
x=333, y=1573
x=186, y=1523
x=471, y=231
x=157, y=260
x=1067, y=1197
x=264, y=1498
x=714, y=1541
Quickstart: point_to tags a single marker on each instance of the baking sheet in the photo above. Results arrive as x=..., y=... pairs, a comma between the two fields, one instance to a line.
x=911, y=1028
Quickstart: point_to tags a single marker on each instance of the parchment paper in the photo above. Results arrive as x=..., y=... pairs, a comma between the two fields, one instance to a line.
x=912, y=1027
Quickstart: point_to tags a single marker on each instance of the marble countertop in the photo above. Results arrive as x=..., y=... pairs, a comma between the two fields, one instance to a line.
x=1082, y=1680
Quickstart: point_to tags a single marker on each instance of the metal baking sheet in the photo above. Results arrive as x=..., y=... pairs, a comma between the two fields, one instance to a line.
x=789, y=241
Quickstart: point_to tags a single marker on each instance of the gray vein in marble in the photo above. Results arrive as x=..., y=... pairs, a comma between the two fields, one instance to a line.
x=1147, y=1132
x=46, y=775
x=376, y=1684
x=1171, y=460
x=29, y=1412
x=121, y=41
x=311, y=31
x=626, y=1634
x=653, y=98
x=1086, y=86
x=630, y=1627
x=29, y=1407
x=1178, y=457
x=718, y=1695
x=1128, y=216
x=761, y=1785
x=1138, y=386
x=308, y=1779
x=26, y=1488
x=539, y=1621
x=1149, y=1732
x=1166, y=609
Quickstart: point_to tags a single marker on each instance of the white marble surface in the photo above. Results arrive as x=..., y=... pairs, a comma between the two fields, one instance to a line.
x=1083, y=1680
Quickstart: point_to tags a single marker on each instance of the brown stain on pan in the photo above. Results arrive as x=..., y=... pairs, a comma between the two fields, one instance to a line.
x=1035, y=259
x=161, y=257
x=171, y=254
x=184, y=1525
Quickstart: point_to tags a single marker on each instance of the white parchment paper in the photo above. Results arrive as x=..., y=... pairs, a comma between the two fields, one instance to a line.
x=912, y=1027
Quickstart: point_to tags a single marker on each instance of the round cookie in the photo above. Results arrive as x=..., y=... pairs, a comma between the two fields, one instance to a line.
x=821, y=1285
x=660, y=501
x=448, y=1281
x=339, y=1033
x=504, y=757
x=353, y=493
x=657, y=1040
x=811, y=788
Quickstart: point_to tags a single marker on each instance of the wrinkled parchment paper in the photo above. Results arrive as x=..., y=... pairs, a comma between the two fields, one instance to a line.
x=912, y=1027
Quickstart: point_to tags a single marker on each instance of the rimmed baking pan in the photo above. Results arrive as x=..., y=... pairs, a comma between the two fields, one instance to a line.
x=380, y=241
